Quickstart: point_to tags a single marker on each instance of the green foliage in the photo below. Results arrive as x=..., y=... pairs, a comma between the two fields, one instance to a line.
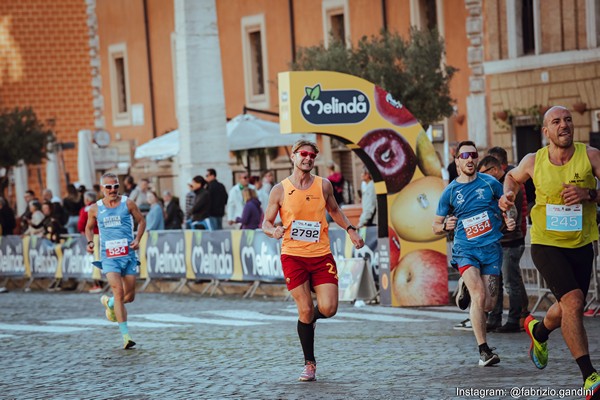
x=22, y=137
x=411, y=70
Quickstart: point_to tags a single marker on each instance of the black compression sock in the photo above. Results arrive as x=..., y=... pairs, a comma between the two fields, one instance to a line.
x=483, y=346
x=585, y=365
x=317, y=314
x=540, y=332
x=306, y=332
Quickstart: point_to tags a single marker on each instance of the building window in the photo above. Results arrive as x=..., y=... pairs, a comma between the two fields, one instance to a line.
x=527, y=27
x=255, y=65
x=119, y=85
x=523, y=27
x=335, y=22
x=592, y=19
x=423, y=14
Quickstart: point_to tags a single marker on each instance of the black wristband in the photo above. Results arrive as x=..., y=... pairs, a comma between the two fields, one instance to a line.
x=350, y=227
x=444, y=227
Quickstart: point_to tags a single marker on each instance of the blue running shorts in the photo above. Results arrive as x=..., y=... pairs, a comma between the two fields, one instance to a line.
x=487, y=258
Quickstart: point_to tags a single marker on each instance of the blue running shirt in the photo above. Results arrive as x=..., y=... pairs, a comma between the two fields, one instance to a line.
x=475, y=204
x=116, y=231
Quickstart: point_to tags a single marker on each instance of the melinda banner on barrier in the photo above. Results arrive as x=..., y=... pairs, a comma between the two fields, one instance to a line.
x=74, y=260
x=12, y=263
x=260, y=257
x=40, y=256
x=234, y=255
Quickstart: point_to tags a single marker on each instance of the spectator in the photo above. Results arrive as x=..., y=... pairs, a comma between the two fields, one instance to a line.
x=268, y=181
x=36, y=222
x=25, y=219
x=52, y=226
x=89, y=198
x=189, y=203
x=140, y=194
x=218, y=199
x=368, y=200
x=201, y=206
x=262, y=195
x=72, y=205
x=452, y=170
x=7, y=218
x=337, y=181
x=252, y=215
x=235, y=201
x=173, y=213
x=130, y=186
x=155, y=220
x=58, y=212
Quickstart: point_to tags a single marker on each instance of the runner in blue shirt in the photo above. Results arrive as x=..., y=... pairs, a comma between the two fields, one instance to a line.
x=469, y=206
x=114, y=215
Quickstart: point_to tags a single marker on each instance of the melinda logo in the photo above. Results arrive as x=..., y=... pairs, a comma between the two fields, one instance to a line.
x=326, y=107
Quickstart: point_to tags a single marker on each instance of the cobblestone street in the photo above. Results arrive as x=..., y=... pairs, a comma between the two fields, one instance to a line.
x=60, y=346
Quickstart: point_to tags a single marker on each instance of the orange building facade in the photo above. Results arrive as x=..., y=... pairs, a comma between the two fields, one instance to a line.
x=111, y=64
x=45, y=64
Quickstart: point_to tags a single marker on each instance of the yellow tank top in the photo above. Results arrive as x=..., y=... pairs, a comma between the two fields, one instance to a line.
x=299, y=208
x=548, y=179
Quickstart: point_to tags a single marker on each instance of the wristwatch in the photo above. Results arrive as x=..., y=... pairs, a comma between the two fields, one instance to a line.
x=593, y=193
x=90, y=242
x=350, y=227
x=444, y=227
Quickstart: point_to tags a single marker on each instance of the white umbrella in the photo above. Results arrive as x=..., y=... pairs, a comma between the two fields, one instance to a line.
x=162, y=147
x=20, y=177
x=52, y=174
x=85, y=159
x=246, y=132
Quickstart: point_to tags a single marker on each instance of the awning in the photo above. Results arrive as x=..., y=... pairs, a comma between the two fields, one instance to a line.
x=163, y=147
x=244, y=132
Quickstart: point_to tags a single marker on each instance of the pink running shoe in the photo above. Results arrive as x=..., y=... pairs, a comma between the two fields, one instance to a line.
x=309, y=373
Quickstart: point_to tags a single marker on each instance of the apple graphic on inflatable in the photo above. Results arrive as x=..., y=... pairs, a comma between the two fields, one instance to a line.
x=392, y=155
x=413, y=209
x=421, y=279
x=391, y=109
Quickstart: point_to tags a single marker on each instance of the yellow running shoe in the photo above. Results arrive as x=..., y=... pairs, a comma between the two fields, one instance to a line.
x=110, y=313
x=538, y=352
x=127, y=342
x=592, y=386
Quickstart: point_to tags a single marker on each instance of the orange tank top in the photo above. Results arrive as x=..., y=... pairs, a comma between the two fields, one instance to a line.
x=301, y=212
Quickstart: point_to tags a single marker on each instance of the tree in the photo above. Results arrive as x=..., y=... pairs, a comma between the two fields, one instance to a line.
x=412, y=71
x=22, y=137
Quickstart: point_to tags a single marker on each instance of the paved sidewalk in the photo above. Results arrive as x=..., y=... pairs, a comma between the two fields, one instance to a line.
x=60, y=346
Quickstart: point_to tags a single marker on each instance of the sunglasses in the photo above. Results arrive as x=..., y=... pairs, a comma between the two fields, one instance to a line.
x=305, y=153
x=465, y=155
x=486, y=170
x=111, y=187
x=244, y=177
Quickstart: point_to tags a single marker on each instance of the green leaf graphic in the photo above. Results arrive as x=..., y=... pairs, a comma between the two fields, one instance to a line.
x=315, y=92
x=308, y=91
x=249, y=238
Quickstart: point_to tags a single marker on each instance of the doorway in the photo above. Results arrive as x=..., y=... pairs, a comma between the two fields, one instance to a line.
x=528, y=139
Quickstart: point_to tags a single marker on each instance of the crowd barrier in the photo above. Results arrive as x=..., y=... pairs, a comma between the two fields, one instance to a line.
x=187, y=256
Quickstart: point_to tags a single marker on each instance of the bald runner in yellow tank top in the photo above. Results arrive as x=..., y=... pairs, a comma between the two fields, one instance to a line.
x=564, y=227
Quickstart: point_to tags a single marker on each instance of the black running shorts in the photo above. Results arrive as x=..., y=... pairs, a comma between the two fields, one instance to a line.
x=564, y=269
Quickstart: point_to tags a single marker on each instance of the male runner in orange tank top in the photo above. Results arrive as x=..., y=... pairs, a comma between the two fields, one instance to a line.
x=306, y=259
